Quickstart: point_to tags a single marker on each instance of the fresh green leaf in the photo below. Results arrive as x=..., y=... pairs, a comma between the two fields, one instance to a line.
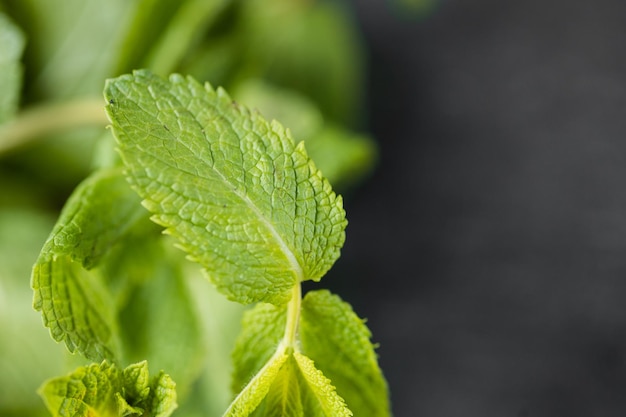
x=321, y=398
x=297, y=388
x=339, y=342
x=12, y=41
x=103, y=390
x=75, y=304
x=256, y=390
x=242, y=199
x=285, y=397
x=88, y=391
x=162, y=399
x=289, y=385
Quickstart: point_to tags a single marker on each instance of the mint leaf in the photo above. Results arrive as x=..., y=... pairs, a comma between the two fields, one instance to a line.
x=102, y=390
x=297, y=388
x=12, y=42
x=88, y=391
x=339, y=342
x=256, y=390
x=75, y=303
x=321, y=398
x=241, y=198
x=289, y=385
x=285, y=397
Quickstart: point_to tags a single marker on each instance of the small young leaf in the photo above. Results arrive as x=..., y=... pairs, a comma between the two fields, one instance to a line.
x=12, y=42
x=74, y=302
x=285, y=397
x=322, y=399
x=256, y=390
x=339, y=342
x=297, y=389
x=162, y=399
x=88, y=391
x=242, y=199
x=102, y=390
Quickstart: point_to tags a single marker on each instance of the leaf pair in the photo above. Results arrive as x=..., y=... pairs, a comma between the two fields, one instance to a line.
x=333, y=343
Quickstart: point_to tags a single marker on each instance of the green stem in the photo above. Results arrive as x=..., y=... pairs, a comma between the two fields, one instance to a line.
x=45, y=119
x=293, y=318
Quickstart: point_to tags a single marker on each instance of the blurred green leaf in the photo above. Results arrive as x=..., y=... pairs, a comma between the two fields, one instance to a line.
x=12, y=41
x=316, y=52
x=27, y=353
x=344, y=157
x=159, y=322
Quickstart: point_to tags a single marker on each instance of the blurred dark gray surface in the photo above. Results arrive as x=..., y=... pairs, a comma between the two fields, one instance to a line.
x=489, y=249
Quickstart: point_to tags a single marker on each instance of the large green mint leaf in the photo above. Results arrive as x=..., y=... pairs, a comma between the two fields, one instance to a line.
x=75, y=304
x=103, y=390
x=339, y=342
x=12, y=42
x=242, y=199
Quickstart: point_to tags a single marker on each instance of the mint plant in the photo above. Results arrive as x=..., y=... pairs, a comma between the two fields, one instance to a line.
x=147, y=333
x=244, y=201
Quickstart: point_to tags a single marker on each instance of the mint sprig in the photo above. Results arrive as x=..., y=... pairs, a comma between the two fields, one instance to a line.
x=249, y=205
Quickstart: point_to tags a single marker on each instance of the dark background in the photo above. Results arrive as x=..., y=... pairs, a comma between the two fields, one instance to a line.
x=488, y=250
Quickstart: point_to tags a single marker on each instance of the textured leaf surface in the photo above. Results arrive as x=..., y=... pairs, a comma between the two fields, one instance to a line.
x=12, y=42
x=103, y=390
x=242, y=199
x=321, y=399
x=339, y=342
x=74, y=302
x=297, y=388
x=88, y=391
x=256, y=390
